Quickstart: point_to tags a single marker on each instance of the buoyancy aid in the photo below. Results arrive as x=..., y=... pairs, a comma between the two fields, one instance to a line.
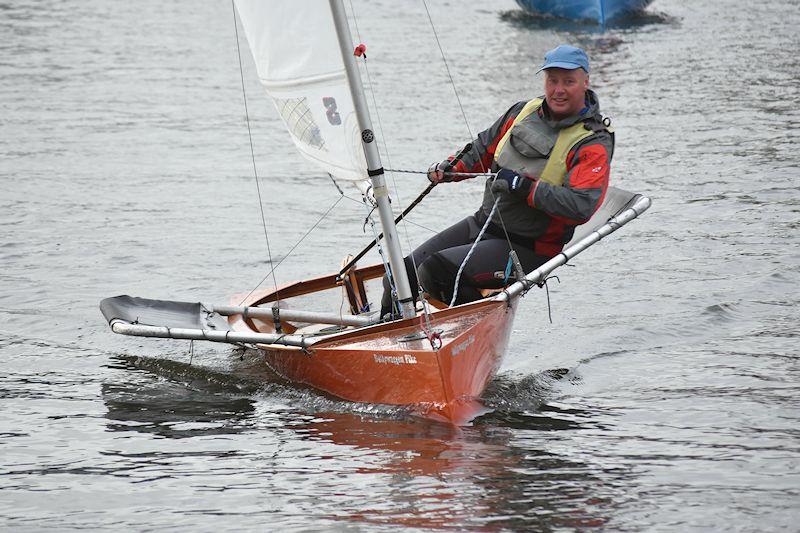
x=533, y=148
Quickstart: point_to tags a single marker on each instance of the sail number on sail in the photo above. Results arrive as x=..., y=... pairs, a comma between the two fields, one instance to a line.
x=330, y=107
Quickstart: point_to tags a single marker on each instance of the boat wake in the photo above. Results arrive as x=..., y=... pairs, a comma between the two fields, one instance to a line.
x=528, y=403
x=247, y=377
x=241, y=382
x=528, y=393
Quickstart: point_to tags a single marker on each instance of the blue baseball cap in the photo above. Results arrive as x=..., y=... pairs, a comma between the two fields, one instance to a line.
x=567, y=57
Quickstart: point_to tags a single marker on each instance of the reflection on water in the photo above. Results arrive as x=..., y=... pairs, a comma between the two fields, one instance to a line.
x=538, y=21
x=173, y=410
x=500, y=473
x=433, y=475
x=680, y=407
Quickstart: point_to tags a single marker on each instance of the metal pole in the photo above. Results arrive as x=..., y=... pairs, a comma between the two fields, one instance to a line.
x=639, y=206
x=368, y=247
x=231, y=337
x=292, y=314
x=374, y=166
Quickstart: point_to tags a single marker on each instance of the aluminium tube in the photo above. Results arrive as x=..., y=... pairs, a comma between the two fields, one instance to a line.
x=374, y=166
x=641, y=205
x=291, y=314
x=231, y=337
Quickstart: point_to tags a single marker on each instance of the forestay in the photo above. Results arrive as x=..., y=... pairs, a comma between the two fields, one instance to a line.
x=299, y=64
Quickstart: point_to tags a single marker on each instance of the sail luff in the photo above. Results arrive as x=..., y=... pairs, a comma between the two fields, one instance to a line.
x=374, y=166
x=295, y=52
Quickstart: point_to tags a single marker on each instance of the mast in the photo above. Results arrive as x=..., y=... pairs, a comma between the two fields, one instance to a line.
x=374, y=166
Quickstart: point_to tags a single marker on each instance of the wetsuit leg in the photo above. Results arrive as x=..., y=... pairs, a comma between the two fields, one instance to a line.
x=484, y=270
x=460, y=233
x=439, y=258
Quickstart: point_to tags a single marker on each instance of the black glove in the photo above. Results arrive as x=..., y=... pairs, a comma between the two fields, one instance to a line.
x=508, y=181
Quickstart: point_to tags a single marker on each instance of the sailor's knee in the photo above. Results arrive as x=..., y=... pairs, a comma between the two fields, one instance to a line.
x=426, y=273
x=434, y=276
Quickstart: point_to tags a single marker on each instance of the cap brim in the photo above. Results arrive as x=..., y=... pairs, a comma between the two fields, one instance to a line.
x=559, y=64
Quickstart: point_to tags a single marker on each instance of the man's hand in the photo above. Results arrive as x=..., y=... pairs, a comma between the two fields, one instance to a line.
x=437, y=170
x=508, y=181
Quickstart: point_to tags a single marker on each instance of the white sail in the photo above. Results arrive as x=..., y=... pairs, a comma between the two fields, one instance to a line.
x=299, y=64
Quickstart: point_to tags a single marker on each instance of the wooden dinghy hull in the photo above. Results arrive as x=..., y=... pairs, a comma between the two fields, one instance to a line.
x=378, y=365
x=358, y=359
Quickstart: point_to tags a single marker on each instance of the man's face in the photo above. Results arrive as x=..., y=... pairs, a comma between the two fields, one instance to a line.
x=565, y=91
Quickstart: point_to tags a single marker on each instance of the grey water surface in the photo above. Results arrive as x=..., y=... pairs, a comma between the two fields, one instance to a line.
x=663, y=396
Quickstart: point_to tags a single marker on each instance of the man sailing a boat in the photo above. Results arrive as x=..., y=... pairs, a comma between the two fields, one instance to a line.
x=551, y=156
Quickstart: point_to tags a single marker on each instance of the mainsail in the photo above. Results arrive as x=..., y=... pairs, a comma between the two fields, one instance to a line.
x=297, y=57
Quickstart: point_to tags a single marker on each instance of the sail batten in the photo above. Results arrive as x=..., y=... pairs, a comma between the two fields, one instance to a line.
x=294, y=47
x=306, y=81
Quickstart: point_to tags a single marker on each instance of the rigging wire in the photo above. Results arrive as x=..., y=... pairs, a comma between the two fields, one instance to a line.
x=420, y=226
x=394, y=181
x=471, y=136
x=449, y=75
x=404, y=220
x=460, y=174
x=307, y=233
x=463, y=113
x=385, y=262
x=253, y=157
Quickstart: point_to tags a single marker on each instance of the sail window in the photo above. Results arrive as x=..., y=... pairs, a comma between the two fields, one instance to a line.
x=299, y=121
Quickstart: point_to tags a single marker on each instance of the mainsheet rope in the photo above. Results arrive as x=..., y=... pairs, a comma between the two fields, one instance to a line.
x=472, y=249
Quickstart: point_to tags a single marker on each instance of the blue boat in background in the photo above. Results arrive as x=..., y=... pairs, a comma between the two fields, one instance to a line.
x=600, y=11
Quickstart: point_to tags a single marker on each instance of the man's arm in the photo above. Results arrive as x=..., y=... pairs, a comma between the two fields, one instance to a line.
x=480, y=157
x=585, y=185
